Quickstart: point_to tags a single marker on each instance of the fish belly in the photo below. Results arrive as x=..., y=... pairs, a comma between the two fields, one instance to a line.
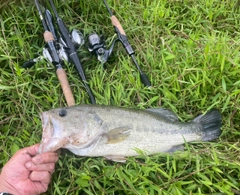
x=149, y=143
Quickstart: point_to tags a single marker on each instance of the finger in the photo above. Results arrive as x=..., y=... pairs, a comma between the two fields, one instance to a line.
x=41, y=176
x=50, y=167
x=32, y=150
x=24, y=155
x=44, y=158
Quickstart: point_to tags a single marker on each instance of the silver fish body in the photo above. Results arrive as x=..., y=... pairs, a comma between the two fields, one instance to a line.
x=116, y=132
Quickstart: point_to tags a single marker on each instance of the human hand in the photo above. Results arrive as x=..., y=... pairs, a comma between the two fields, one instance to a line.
x=28, y=173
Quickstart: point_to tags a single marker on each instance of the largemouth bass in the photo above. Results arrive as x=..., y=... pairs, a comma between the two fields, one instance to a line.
x=116, y=132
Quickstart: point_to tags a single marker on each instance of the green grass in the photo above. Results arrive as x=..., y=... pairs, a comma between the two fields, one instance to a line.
x=190, y=51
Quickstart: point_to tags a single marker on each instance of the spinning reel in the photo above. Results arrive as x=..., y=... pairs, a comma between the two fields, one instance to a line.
x=76, y=37
x=96, y=45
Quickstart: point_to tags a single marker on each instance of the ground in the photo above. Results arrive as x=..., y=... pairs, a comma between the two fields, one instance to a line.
x=188, y=49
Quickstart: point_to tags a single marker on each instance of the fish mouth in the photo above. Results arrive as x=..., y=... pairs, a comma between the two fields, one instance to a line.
x=52, y=145
x=44, y=118
x=49, y=142
x=45, y=134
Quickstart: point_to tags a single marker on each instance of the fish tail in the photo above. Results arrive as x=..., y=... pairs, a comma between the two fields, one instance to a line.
x=211, y=123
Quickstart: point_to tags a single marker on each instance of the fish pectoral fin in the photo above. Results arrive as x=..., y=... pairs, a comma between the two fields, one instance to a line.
x=117, y=135
x=116, y=158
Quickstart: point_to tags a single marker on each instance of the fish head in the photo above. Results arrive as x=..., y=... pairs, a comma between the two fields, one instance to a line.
x=71, y=127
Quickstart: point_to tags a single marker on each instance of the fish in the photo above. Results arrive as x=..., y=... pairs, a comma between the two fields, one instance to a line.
x=118, y=132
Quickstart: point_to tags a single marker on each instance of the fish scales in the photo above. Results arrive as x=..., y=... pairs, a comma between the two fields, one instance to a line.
x=115, y=117
x=117, y=132
x=149, y=143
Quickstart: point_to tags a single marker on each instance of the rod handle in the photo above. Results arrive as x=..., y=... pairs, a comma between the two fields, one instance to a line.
x=117, y=24
x=67, y=92
x=145, y=80
x=48, y=36
x=28, y=64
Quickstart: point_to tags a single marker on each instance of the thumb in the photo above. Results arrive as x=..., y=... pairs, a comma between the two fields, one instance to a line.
x=25, y=154
x=32, y=150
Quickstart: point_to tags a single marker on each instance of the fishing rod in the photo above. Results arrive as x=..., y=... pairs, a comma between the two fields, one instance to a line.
x=71, y=50
x=52, y=54
x=76, y=37
x=123, y=39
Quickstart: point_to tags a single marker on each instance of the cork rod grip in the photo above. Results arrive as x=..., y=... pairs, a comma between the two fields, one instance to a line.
x=117, y=24
x=67, y=92
x=48, y=36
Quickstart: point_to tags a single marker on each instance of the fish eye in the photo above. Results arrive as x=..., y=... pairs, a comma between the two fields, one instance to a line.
x=62, y=112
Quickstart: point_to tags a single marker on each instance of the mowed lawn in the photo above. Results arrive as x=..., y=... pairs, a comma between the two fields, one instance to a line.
x=190, y=52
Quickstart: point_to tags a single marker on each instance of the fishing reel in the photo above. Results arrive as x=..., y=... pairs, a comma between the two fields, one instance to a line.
x=61, y=47
x=76, y=38
x=96, y=45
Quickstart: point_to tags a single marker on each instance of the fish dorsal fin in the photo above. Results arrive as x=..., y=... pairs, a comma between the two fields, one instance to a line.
x=117, y=135
x=163, y=112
